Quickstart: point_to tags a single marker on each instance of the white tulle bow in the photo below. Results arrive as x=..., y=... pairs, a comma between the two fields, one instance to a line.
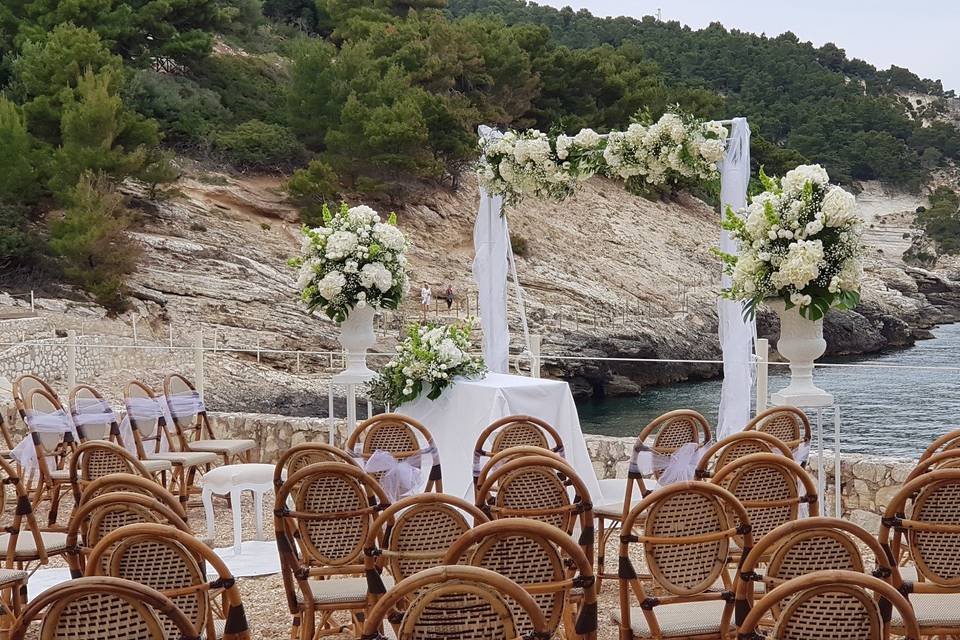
x=25, y=452
x=679, y=466
x=400, y=478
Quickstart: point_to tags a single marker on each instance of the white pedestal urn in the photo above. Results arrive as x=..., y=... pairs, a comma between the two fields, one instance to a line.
x=801, y=342
x=356, y=338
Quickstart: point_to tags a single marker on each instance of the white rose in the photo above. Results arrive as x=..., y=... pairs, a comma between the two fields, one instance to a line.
x=587, y=138
x=563, y=146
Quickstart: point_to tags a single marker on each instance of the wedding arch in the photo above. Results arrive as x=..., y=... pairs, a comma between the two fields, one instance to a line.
x=494, y=261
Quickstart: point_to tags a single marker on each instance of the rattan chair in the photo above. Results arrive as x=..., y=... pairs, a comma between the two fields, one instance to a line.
x=320, y=539
x=307, y=453
x=771, y=487
x=947, y=441
x=455, y=603
x=52, y=449
x=539, y=488
x=111, y=502
x=151, y=434
x=668, y=433
x=929, y=530
x=687, y=532
x=23, y=545
x=543, y=560
x=92, y=415
x=514, y=431
x=175, y=563
x=193, y=426
x=100, y=458
x=803, y=547
x=403, y=438
x=416, y=533
x=103, y=609
x=789, y=424
x=738, y=445
x=829, y=605
x=499, y=459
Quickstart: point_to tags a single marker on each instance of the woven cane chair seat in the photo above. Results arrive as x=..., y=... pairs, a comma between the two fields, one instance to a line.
x=678, y=620
x=223, y=447
x=932, y=610
x=156, y=466
x=185, y=458
x=342, y=590
x=9, y=576
x=53, y=542
x=60, y=474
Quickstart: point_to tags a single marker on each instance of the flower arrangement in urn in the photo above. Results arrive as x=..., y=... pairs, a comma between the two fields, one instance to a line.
x=675, y=149
x=349, y=268
x=430, y=357
x=801, y=254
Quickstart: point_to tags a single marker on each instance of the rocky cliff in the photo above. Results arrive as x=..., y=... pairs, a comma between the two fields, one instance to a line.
x=605, y=274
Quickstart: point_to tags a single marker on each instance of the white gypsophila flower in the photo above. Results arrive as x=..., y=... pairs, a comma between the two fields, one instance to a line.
x=587, y=138
x=350, y=266
x=389, y=237
x=795, y=179
x=800, y=266
x=331, y=284
x=374, y=274
x=340, y=244
x=839, y=208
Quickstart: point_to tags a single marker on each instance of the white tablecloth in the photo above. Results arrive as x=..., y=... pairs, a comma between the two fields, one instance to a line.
x=467, y=407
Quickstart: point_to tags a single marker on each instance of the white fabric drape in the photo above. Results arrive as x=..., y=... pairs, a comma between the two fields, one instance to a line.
x=491, y=241
x=736, y=334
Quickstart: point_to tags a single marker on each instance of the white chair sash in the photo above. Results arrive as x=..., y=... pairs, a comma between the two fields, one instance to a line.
x=679, y=466
x=147, y=409
x=25, y=453
x=400, y=477
x=92, y=411
x=185, y=404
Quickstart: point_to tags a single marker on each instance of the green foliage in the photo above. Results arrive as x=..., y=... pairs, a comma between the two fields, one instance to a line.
x=258, y=145
x=158, y=169
x=19, y=179
x=941, y=220
x=19, y=245
x=250, y=87
x=312, y=187
x=519, y=245
x=91, y=243
x=186, y=112
x=99, y=135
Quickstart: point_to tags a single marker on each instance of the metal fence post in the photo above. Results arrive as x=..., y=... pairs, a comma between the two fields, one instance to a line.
x=33, y=306
x=198, y=363
x=762, y=347
x=71, y=358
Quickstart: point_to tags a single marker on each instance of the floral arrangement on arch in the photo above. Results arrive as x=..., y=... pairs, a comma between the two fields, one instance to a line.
x=353, y=261
x=799, y=242
x=675, y=149
x=430, y=357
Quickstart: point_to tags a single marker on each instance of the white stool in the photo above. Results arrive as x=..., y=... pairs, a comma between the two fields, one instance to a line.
x=234, y=479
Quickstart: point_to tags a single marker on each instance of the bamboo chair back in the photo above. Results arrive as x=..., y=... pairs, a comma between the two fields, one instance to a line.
x=831, y=604
x=771, y=487
x=539, y=488
x=789, y=424
x=687, y=532
x=515, y=431
x=501, y=457
x=947, y=441
x=416, y=532
x=400, y=436
x=102, y=609
x=305, y=454
x=540, y=558
x=190, y=426
x=455, y=603
x=92, y=415
x=99, y=458
x=23, y=385
x=738, y=445
x=56, y=444
x=174, y=563
x=148, y=432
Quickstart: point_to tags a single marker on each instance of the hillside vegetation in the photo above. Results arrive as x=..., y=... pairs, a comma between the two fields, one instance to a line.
x=377, y=98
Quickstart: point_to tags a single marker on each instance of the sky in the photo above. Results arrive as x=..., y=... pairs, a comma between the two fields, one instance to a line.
x=922, y=36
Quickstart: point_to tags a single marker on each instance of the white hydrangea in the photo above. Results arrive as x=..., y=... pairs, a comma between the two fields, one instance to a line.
x=587, y=138
x=839, y=208
x=374, y=274
x=331, y=284
x=850, y=277
x=341, y=244
x=795, y=179
x=306, y=274
x=450, y=354
x=800, y=266
x=389, y=237
x=757, y=223
x=362, y=215
x=563, y=146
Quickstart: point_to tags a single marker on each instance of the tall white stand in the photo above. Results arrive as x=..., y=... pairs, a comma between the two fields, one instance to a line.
x=350, y=382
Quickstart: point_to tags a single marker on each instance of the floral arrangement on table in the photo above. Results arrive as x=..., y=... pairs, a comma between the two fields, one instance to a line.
x=675, y=149
x=353, y=261
x=799, y=242
x=430, y=357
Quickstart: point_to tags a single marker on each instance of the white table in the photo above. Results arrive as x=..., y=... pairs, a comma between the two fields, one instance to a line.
x=233, y=480
x=467, y=407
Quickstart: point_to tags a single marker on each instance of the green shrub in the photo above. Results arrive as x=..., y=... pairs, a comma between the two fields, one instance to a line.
x=19, y=245
x=251, y=87
x=91, y=242
x=310, y=188
x=187, y=112
x=258, y=145
x=519, y=245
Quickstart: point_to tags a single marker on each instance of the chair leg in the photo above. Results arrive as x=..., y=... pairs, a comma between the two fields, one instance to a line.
x=54, y=504
x=207, y=498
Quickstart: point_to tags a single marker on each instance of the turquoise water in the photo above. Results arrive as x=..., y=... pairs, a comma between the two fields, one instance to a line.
x=887, y=412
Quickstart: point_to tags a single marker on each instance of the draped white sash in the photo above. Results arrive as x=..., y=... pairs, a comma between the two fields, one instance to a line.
x=400, y=477
x=149, y=409
x=25, y=453
x=679, y=466
x=185, y=404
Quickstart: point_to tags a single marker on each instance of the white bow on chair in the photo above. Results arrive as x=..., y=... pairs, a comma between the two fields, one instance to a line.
x=400, y=477
x=41, y=422
x=679, y=466
x=146, y=409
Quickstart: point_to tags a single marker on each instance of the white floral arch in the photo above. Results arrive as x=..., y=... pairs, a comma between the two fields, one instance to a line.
x=494, y=259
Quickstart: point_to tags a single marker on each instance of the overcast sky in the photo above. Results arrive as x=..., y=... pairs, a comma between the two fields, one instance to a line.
x=922, y=36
